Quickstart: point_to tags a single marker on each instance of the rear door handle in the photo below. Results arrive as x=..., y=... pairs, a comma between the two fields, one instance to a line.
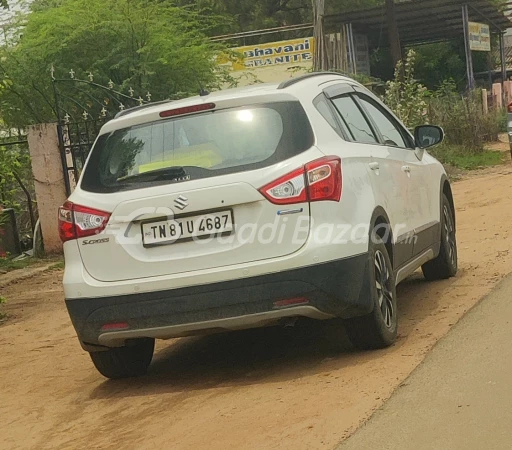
x=374, y=165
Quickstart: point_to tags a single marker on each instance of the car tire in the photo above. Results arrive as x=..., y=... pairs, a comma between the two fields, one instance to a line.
x=445, y=264
x=379, y=328
x=125, y=362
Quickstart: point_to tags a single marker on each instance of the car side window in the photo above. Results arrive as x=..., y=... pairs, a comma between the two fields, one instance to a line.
x=354, y=119
x=325, y=110
x=385, y=124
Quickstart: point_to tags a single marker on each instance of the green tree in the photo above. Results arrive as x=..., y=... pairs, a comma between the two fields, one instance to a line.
x=442, y=61
x=253, y=15
x=147, y=45
x=259, y=14
x=14, y=168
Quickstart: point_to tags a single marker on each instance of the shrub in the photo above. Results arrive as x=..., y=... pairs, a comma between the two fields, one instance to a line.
x=461, y=116
x=463, y=120
x=405, y=96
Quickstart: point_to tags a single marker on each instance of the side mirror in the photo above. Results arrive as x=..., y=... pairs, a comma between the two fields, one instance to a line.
x=428, y=135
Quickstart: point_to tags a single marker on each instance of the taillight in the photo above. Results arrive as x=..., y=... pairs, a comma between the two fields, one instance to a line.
x=318, y=180
x=509, y=107
x=288, y=189
x=324, y=179
x=77, y=221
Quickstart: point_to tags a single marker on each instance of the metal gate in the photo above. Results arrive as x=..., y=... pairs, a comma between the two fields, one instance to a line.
x=22, y=190
x=75, y=141
x=82, y=106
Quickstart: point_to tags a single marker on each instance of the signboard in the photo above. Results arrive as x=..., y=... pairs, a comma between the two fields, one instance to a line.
x=293, y=51
x=479, y=37
x=362, y=54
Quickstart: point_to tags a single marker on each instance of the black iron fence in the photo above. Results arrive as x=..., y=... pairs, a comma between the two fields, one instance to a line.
x=76, y=140
x=17, y=184
x=82, y=106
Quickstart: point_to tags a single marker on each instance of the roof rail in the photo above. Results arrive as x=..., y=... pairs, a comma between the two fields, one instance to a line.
x=125, y=112
x=307, y=76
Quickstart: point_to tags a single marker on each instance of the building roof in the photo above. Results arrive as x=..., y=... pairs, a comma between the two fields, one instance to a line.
x=421, y=21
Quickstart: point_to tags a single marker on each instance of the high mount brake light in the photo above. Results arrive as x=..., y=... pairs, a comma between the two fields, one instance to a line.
x=318, y=180
x=187, y=110
x=77, y=221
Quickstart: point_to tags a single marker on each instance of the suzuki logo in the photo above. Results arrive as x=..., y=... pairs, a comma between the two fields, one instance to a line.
x=181, y=202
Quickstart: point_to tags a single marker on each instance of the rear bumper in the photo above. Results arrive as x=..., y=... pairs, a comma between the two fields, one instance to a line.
x=333, y=289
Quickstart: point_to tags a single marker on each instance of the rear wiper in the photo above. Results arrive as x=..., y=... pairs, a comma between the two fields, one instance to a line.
x=167, y=173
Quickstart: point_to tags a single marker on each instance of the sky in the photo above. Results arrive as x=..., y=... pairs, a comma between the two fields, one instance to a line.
x=14, y=6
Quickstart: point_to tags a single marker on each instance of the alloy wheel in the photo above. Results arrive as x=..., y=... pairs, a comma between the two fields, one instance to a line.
x=384, y=288
x=449, y=236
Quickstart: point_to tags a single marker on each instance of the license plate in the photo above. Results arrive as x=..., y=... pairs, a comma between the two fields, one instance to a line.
x=164, y=232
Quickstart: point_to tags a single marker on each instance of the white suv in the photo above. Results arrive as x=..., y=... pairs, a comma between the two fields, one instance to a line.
x=250, y=207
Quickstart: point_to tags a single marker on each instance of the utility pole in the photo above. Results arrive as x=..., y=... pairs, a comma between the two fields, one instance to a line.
x=393, y=35
x=467, y=47
x=320, y=57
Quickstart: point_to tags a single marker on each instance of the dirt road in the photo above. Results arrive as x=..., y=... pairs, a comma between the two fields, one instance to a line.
x=300, y=388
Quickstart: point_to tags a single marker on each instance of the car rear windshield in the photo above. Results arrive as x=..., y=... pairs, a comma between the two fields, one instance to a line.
x=197, y=146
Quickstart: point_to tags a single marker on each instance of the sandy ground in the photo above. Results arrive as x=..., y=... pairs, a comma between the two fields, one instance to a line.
x=27, y=272
x=299, y=388
x=470, y=408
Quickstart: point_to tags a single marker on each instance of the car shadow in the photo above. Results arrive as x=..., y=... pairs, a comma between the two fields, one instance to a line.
x=268, y=355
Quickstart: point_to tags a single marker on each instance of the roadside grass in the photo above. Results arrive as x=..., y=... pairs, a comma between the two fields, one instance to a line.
x=8, y=264
x=472, y=162
x=57, y=266
x=467, y=159
x=2, y=315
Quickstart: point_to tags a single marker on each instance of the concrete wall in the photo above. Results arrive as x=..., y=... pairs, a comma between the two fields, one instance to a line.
x=48, y=180
x=497, y=91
